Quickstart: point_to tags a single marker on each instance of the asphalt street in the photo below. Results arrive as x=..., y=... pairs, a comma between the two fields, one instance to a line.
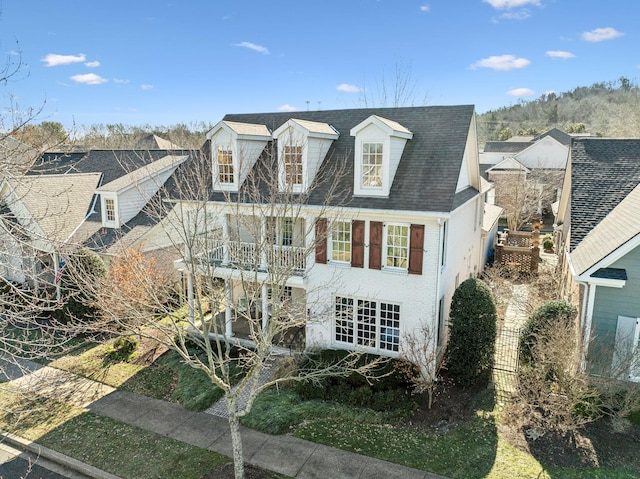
x=15, y=464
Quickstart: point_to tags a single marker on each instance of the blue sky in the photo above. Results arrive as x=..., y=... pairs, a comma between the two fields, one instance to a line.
x=164, y=62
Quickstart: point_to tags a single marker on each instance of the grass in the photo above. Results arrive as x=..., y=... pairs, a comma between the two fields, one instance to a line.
x=169, y=378
x=123, y=450
x=471, y=450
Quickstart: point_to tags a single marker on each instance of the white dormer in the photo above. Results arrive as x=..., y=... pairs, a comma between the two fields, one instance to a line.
x=378, y=148
x=124, y=197
x=302, y=146
x=235, y=148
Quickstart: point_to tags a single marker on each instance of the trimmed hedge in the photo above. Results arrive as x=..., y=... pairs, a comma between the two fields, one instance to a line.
x=390, y=390
x=472, y=333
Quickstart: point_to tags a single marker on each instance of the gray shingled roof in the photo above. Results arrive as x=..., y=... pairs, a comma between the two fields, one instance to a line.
x=557, y=134
x=603, y=173
x=428, y=172
x=506, y=146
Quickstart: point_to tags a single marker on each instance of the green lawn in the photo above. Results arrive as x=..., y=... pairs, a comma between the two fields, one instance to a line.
x=126, y=451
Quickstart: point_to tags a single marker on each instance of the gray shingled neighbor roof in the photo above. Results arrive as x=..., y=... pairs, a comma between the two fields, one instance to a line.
x=603, y=173
x=428, y=172
x=557, y=134
x=618, y=227
x=506, y=146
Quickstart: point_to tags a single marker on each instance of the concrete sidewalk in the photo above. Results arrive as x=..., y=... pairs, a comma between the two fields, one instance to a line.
x=284, y=454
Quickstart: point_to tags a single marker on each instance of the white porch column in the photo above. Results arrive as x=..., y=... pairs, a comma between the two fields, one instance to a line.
x=264, y=241
x=265, y=306
x=228, y=313
x=226, y=241
x=190, y=296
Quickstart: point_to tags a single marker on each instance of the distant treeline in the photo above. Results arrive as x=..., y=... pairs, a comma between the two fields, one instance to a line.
x=610, y=109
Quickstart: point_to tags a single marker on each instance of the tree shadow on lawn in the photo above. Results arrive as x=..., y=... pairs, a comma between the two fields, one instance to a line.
x=596, y=446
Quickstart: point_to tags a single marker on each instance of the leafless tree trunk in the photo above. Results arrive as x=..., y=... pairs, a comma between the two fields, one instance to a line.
x=238, y=255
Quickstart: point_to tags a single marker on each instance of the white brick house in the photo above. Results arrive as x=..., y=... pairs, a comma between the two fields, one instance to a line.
x=377, y=249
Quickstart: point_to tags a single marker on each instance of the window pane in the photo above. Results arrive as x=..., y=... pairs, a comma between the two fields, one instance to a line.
x=341, y=241
x=372, y=165
x=389, y=326
x=110, y=207
x=225, y=164
x=366, y=323
x=344, y=319
x=293, y=165
x=397, y=247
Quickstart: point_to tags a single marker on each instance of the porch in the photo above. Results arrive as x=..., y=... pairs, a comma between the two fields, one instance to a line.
x=252, y=256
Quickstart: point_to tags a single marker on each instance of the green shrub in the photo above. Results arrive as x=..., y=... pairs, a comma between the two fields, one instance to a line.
x=123, y=349
x=547, y=241
x=543, y=318
x=472, y=333
x=390, y=390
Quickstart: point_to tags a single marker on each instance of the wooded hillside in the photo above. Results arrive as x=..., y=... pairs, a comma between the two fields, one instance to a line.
x=610, y=109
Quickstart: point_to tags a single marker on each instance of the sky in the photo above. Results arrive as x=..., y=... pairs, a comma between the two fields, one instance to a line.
x=164, y=62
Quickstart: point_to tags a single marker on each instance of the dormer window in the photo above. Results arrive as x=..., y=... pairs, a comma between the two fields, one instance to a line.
x=235, y=148
x=372, y=165
x=378, y=148
x=302, y=146
x=293, y=165
x=110, y=217
x=225, y=164
x=110, y=209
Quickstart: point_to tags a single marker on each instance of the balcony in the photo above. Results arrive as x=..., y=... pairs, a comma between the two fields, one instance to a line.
x=247, y=256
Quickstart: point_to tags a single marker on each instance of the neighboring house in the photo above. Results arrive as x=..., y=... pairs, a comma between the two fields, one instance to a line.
x=390, y=203
x=599, y=226
x=96, y=199
x=15, y=156
x=527, y=175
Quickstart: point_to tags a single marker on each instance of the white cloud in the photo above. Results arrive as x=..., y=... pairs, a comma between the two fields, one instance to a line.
x=347, y=88
x=287, y=107
x=253, y=46
x=559, y=54
x=146, y=86
x=520, y=15
x=89, y=79
x=521, y=92
x=93, y=64
x=120, y=81
x=506, y=4
x=54, y=60
x=601, y=34
x=501, y=63
x=424, y=8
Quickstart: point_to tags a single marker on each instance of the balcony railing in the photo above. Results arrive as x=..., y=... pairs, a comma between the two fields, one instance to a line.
x=247, y=256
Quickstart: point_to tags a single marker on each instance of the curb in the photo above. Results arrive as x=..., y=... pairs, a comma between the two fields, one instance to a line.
x=56, y=457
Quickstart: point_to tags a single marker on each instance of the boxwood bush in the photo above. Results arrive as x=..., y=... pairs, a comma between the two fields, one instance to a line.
x=391, y=389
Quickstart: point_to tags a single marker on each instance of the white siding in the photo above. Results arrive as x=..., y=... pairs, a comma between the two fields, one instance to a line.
x=546, y=153
x=416, y=294
x=131, y=201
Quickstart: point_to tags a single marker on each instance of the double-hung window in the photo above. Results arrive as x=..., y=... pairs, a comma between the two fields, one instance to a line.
x=293, y=165
x=372, y=165
x=367, y=323
x=225, y=164
x=396, y=246
x=110, y=209
x=341, y=241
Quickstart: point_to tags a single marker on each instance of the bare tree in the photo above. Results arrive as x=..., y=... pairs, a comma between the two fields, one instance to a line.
x=420, y=348
x=396, y=90
x=239, y=257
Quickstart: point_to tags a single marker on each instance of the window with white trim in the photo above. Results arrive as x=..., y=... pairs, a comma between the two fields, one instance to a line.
x=363, y=322
x=110, y=209
x=225, y=164
x=396, y=246
x=372, y=165
x=344, y=319
x=634, y=370
x=292, y=165
x=340, y=242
